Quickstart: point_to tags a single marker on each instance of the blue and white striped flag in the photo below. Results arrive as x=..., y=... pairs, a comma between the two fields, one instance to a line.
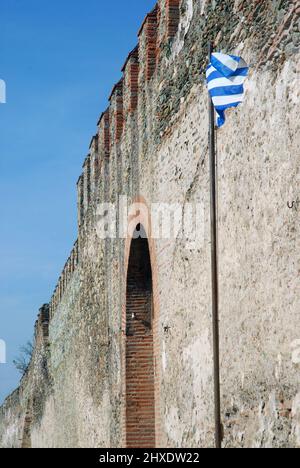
x=226, y=75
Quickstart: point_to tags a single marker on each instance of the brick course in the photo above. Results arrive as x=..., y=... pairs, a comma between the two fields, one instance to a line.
x=83, y=389
x=140, y=391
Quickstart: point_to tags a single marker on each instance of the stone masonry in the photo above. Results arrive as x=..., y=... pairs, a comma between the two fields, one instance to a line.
x=123, y=351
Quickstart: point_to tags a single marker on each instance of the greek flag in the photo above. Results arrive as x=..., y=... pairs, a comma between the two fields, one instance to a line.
x=225, y=78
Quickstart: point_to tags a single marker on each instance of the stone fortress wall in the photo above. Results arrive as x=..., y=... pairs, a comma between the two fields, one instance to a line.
x=86, y=375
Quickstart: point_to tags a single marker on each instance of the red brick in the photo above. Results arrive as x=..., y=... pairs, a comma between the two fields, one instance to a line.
x=140, y=388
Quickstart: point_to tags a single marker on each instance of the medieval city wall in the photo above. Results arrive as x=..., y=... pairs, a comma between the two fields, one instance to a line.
x=151, y=145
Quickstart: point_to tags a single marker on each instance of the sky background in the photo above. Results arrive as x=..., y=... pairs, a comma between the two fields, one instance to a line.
x=60, y=60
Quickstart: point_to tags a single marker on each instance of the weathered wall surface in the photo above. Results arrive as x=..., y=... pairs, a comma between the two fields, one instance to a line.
x=151, y=145
x=27, y=403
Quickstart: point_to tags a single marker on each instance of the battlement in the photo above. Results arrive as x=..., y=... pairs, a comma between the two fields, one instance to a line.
x=167, y=61
x=148, y=35
x=41, y=331
x=95, y=165
x=127, y=361
x=116, y=110
x=140, y=68
x=67, y=273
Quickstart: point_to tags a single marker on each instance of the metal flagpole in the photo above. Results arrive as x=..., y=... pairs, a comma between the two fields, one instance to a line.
x=214, y=270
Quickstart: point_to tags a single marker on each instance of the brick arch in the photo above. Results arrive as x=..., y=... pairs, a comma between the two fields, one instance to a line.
x=140, y=352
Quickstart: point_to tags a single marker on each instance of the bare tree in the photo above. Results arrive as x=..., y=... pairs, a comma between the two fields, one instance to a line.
x=22, y=362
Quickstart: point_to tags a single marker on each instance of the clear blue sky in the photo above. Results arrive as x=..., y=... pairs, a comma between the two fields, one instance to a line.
x=60, y=59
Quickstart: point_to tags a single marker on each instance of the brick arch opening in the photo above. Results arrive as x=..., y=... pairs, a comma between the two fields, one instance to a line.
x=140, y=365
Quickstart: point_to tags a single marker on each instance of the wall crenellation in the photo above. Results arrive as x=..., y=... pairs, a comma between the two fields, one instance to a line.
x=148, y=35
x=117, y=111
x=67, y=273
x=147, y=62
x=140, y=68
x=130, y=71
x=151, y=145
x=173, y=17
x=103, y=133
x=87, y=181
x=95, y=166
x=80, y=199
x=41, y=332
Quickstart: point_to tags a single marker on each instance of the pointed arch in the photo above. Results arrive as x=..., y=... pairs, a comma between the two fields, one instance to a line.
x=141, y=355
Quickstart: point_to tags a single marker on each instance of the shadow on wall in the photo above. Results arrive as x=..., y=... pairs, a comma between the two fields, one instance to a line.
x=140, y=387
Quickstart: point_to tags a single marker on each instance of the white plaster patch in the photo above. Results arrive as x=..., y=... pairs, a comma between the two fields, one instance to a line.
x=88, y=432
x=243, y=380
x=278, y=367
x=183, y=28
x=10, y=435
x=295, y=346
x=296, y=418
x=199, y=355
x=290, y=81
x=266, y=417
x=44, y=435
x=173, y=425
